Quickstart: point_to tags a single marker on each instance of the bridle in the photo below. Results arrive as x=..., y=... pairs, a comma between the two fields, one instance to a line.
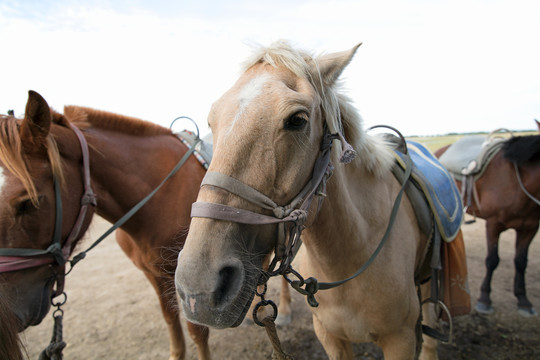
x=13, y=259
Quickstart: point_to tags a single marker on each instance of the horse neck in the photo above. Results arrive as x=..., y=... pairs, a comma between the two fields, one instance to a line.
x=126, y=168
x=352, y=218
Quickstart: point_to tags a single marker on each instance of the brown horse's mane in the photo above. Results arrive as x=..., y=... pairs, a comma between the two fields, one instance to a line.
x=522, y=149
x=86, y=117
x=11, y=146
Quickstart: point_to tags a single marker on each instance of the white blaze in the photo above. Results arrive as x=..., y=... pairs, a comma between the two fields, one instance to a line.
x=2, y=179
x=249, y=93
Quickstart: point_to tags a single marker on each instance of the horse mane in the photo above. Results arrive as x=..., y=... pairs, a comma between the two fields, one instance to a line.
x=338, y=111
x=11, y=146
x=11, y=346
x=12, y=154
x=85, y=117
x=522, y=149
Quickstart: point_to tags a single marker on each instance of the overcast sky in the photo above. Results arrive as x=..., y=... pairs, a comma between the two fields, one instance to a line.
x=425, y=67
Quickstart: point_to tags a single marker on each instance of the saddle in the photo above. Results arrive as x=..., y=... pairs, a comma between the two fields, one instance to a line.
x=467, y=160
x=470, y=155
x=437, y=187
x=439, y=212
x=203, y=149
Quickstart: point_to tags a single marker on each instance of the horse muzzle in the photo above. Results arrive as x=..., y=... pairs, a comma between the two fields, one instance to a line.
x=218, y=298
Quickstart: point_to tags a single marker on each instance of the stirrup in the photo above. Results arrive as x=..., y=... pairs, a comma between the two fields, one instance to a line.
x=429, y=331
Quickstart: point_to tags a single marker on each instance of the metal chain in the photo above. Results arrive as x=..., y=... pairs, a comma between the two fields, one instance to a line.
x=268, y=322
x=54, y=350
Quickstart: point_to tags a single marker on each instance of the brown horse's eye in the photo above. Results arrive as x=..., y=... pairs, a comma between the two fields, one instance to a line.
x=296, y=122
x=25, y=206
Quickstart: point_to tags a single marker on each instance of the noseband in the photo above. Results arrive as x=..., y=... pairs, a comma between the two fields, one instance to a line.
x=12, y=259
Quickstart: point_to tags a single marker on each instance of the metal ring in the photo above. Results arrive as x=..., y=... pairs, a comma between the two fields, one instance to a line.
x=188, y=118
x=261, y=294
x=264, y=303
x=447, y=311
x=59, y=303
x=58, y=312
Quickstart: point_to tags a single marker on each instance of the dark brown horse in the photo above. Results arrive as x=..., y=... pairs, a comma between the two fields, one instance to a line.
x=506, y=197
x=128, y=158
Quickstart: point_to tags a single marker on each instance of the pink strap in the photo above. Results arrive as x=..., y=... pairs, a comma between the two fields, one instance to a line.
x=13, y=263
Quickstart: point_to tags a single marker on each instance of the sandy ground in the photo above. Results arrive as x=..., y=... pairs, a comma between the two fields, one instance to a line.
x=113, y=313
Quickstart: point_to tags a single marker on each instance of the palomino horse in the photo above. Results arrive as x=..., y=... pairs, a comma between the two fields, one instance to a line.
x=128, y=158
x=270, y=132
x=507, y=196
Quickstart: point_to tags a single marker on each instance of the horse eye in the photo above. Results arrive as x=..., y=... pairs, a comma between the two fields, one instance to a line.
x=25, y=206
x=296, y=122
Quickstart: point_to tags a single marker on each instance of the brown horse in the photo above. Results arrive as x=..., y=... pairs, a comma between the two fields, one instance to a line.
x=272, y=135
x=507, y=196
x=128, y=158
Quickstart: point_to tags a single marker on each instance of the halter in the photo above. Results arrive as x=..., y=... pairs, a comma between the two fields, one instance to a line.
x=12, y=259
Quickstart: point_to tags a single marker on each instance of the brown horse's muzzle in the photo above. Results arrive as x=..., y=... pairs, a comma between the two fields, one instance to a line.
x=30, y=295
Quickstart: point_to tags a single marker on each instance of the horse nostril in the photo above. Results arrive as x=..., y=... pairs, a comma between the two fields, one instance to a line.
x=227, y=286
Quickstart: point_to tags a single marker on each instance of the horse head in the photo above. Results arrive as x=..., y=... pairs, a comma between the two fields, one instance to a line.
x=267, y=133
x=32, y=157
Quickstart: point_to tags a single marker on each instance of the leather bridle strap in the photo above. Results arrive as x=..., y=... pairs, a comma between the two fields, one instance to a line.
x=12, y=259
x=88, y=198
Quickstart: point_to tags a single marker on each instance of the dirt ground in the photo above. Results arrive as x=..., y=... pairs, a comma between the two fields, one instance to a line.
x=113, y=313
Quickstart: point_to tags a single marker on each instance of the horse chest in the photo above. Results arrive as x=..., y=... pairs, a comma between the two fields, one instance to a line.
x=345, y=323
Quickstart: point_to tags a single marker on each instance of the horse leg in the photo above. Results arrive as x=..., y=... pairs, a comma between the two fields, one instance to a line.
x=169, y=309
x=336, y=348
x=493, y=230
x=399, y=345
x=199, y=334
x=523, y=240
x=177, y=345
x=284, y=309
x=429, y=318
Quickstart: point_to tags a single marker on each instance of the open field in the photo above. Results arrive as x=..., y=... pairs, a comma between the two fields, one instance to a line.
x=436, y=142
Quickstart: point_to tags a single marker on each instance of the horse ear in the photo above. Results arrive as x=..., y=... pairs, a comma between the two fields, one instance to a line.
x=332, y=65
x=36, y=123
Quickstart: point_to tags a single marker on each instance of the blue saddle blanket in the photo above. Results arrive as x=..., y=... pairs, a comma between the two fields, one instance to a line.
x=438, y=187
